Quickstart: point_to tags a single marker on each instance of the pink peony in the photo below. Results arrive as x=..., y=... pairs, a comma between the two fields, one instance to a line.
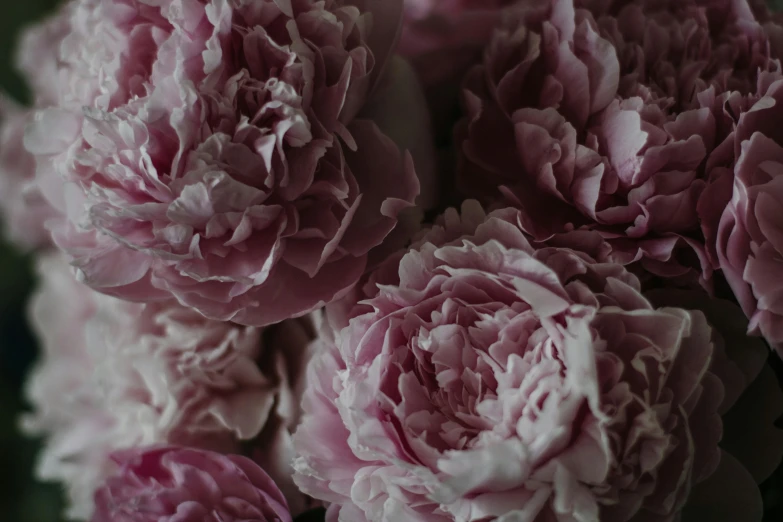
x=161, y=484
x=117, y=374
x=741, y=211
x=23, y=210
x=67, y=410
x=751, y=445
x=494, y=381
x=38, y=52
x=599, y=114
x=210, y=151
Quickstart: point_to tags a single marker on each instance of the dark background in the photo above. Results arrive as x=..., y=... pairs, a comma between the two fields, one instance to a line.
x=22, y=499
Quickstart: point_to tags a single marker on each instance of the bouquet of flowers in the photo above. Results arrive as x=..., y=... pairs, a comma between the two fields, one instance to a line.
x=403, y=260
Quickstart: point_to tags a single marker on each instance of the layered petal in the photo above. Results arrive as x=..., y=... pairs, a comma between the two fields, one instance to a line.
x=187, y=485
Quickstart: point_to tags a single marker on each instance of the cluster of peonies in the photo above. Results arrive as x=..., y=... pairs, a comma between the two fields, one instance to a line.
x=118, y=375
x=605, y=115
x=634, y=120
x=242, y=315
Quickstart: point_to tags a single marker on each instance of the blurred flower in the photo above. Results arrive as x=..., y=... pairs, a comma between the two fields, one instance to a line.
x=598, y=114
x=117, y=375
x=67, y=409
x=23, y=209
x=444, y=38
x=187, y=485
x=493, y=380
x=751, y=445
x=210, y=151
x=37, y=54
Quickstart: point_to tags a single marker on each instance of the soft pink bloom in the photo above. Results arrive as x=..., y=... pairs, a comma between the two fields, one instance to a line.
x=751, y=445
x=66, y=408
x=168, y=484
x=23, y=210
x=38, y=53
x=741, y=211
x=117, y=374
x=597, y=114
x=493, y=380
x=211, y=151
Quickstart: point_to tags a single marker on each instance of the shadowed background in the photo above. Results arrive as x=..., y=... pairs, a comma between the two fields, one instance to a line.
x=22, y=499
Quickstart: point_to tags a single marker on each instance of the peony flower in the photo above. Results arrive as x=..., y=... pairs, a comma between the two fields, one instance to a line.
x=187, y=485
x=22, y=207
x=740, y=210
x=751, y=445
x=495, y=381
x=67, y=410
x=211, y=152
x=38, y=52
x=117, y=374
x=599, y=115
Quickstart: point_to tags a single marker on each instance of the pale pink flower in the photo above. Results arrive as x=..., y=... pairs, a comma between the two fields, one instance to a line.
x=210, y=151
x=495, y=381
x=58, y=312
x=117, y=374
x=598, y=114
x=66, y=409
x=37, y=54
x=156, y=484
x=741, y=211
x=23, y=209
x=751, y=445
